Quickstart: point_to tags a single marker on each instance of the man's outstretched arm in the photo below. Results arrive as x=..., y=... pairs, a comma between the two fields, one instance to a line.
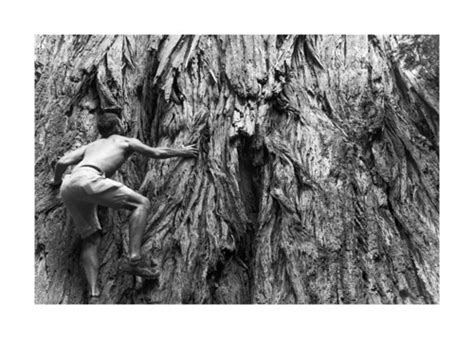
x=162, y=152
x=69, y=158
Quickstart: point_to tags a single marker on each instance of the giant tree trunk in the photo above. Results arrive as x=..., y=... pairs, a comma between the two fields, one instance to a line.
x=317, y=179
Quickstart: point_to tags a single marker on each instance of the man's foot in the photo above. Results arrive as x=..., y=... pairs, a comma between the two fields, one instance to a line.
x=94, y=300
x=138, y=267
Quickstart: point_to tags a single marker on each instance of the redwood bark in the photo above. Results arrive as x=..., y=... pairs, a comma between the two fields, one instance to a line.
x=317, y=179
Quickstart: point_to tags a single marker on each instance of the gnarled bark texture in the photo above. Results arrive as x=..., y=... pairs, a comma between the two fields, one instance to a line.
x=317, y=180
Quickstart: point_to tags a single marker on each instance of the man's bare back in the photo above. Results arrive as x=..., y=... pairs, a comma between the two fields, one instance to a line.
x=107, y=154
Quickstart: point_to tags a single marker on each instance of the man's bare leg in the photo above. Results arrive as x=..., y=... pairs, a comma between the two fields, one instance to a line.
x=140, y=206
x=137, y=229
x=90, y=261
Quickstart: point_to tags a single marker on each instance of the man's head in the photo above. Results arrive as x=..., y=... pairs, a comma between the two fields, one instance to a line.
x=108, y=124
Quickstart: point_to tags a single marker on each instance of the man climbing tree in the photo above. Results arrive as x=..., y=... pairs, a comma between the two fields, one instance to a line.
x=89, y=185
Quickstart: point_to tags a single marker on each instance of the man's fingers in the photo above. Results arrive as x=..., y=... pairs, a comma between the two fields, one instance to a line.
x=192, y=149
x=54, y=185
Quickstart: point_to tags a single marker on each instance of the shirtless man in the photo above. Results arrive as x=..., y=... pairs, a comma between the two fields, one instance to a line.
x=89, y=185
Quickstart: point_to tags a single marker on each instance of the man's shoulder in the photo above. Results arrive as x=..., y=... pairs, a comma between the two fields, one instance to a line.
x=118, y=137
x=123, y=141
x=128, y=139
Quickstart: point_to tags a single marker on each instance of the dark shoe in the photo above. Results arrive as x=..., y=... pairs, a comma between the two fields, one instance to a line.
x=138, y=267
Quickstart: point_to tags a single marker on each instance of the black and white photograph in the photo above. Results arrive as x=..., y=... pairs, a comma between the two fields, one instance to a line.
x=251, y=169
x=237, y=169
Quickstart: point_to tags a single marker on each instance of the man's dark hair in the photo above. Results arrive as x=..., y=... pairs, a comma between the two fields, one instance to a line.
x=108, y=124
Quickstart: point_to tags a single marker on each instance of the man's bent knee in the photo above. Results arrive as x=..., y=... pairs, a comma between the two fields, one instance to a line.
x=146, y=203
x=136, y=200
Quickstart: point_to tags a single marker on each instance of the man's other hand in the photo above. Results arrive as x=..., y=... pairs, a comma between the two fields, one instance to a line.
x=53, y=184
x=190, y=151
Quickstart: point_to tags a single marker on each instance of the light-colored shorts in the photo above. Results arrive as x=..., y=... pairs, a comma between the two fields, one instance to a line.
x=84, y=189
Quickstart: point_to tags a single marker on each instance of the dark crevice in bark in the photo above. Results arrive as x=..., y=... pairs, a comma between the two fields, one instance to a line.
x=411, y=160
x=250, y=159
x=427, y=122
x=250, y=163
x=88, y=82
x=400, y=82
x=376, y=43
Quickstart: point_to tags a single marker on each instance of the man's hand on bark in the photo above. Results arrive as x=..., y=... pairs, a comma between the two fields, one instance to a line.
x=190, y=151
